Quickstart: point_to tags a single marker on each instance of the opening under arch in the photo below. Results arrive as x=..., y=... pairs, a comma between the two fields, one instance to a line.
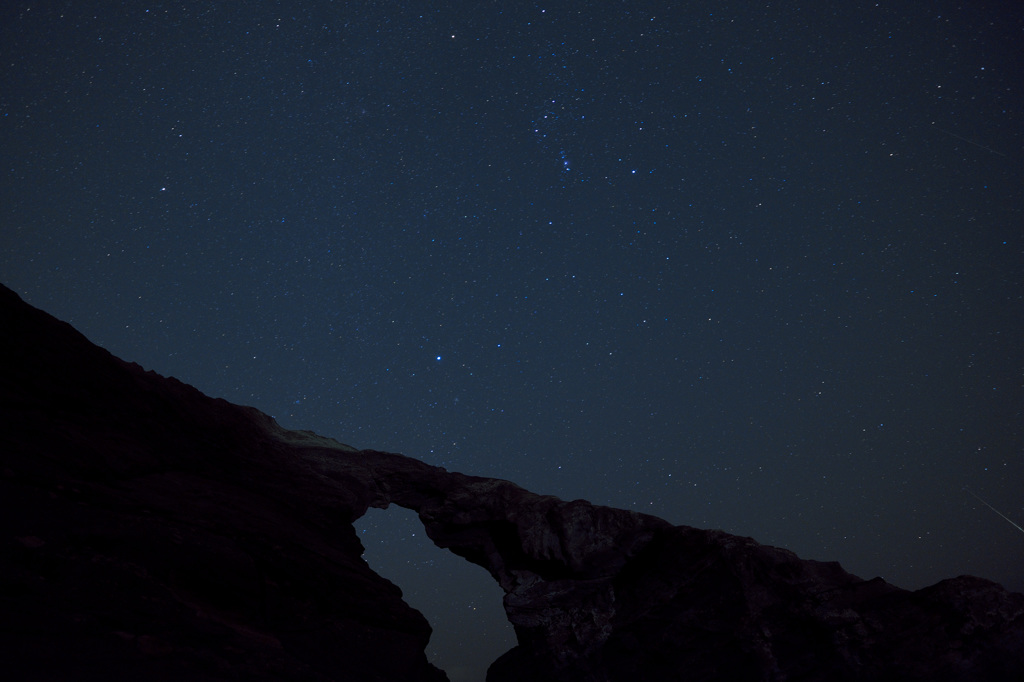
x=460, y=600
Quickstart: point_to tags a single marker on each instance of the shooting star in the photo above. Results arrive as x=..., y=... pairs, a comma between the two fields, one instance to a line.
x=979, y=146
x=995, y=510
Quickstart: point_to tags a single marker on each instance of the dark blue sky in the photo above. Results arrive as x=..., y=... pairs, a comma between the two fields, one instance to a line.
x=747, y=267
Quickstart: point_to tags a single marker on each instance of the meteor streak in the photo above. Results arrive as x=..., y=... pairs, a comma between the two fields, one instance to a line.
x=995, y=510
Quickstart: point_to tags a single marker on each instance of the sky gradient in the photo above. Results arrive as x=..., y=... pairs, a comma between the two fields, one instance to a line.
x=757, y=268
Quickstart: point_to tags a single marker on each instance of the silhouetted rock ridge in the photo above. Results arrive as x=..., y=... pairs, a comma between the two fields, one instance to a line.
x=152, y=532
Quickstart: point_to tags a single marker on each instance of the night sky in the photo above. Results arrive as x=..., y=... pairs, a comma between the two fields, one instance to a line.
x=749, y=266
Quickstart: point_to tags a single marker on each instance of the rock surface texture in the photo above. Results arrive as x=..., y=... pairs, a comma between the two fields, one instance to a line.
x=151, y=532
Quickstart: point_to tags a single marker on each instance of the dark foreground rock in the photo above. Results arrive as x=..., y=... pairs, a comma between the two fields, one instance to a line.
x=151, y=532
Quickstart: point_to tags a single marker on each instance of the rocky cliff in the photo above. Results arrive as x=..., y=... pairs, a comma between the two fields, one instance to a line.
x=152, y=532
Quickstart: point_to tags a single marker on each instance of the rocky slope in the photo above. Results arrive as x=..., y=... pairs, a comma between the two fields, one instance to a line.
x=152, y=532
